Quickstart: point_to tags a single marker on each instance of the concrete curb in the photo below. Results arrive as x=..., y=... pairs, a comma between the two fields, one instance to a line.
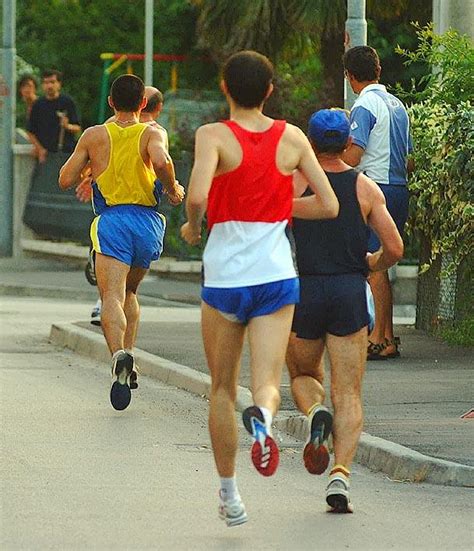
x=92, y=345
x=396, y=461
x=43, y=291
x=166, y=266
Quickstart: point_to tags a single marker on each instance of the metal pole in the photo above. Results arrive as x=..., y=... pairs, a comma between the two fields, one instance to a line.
x=356, y=35
x=7, y=134
x=149, y=42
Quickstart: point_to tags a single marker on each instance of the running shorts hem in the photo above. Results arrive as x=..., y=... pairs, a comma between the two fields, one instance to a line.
x=241, y=304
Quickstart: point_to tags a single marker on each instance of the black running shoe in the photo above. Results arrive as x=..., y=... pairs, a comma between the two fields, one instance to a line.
x=122, y=367
x=90, y=269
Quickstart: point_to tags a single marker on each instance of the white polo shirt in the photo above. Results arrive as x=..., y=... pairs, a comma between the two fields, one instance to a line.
x=380, y=125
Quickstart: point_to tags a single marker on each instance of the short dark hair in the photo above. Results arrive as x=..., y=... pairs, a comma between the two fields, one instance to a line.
x=26, y=78
x=153, y=102
x=329, y=148
x=51, y=73
x=362, y=62
x=248, y=75
x=127, y=93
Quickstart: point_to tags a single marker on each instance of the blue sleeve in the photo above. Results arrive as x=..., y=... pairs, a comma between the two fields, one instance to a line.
x=362, y=122
x=410, y=144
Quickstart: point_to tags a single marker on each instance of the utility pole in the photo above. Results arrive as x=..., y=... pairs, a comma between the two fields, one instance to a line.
x=7, y=133
x=356, y=35
x=458, y=14
x=149, y=42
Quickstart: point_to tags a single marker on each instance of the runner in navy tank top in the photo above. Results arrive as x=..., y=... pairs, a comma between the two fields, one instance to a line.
x=333, y=264
x=242, y=176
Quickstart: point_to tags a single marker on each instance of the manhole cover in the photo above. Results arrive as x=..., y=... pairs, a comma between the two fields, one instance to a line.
x=468, y=415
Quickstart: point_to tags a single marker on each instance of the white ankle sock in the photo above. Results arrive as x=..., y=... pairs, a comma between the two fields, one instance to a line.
x=229, y=490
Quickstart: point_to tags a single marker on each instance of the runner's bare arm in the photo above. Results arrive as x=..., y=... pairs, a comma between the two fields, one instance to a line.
x=163, y=166
x=71, y=170
x=379, y=219
x=324, y=203
x=353, y=154
x=206, y=159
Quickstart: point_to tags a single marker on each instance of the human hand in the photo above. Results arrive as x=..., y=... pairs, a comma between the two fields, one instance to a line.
x=84, y=190
x=191, y=234
x=42, y=154
x=177, y=195
x=64, y=121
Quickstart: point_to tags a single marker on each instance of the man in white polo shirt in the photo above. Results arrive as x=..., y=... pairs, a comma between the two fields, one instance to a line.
x=381, y=142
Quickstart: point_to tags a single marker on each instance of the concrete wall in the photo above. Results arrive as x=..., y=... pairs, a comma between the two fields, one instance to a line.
x=23, y=166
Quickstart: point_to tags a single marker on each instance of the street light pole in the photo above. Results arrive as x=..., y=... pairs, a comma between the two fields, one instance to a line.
x=7, y=110
x=356, y=35
x=149, y=42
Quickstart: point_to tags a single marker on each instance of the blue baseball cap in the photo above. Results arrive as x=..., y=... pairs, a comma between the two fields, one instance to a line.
x=329, y=127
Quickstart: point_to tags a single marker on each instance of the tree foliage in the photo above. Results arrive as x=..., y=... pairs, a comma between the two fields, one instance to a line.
x=442, y=205
x=70, y=35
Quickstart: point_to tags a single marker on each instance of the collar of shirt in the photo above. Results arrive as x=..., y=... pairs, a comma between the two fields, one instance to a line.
x=373, y=87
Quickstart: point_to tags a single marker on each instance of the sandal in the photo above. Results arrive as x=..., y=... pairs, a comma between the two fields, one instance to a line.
x=395, y=342
x=374, y=351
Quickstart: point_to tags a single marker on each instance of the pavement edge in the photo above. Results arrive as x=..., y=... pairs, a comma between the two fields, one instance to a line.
x=397, y=462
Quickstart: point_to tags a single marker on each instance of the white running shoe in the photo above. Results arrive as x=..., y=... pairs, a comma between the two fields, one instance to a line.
x=337, y=495
x=233, y=512
x=96, y=312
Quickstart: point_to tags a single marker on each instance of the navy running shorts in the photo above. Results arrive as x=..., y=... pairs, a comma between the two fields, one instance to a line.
x=240, y=304
x=397, y=205
x=132, y=234
x=335, y=304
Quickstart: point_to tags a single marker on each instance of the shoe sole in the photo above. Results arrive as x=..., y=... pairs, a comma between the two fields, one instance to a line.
x=96, y=323
x=316, y=453
x=234, y=521
x=265, y=454
x=338, y=503
x=120, y=393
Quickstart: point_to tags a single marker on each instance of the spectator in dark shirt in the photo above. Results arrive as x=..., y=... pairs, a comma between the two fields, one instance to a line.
x=53, y=119
x=27, y=93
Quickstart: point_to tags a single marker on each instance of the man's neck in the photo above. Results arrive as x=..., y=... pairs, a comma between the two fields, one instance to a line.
x=146, y=117
x=127, y=117
x=250, y=118
x=332, y=162
x=52, y=98
x=359, y=86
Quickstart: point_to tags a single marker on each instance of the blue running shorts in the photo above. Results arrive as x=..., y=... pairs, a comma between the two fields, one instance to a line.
x=335, y=304
x=397, y=205
x=241, y=304
x=132, y=234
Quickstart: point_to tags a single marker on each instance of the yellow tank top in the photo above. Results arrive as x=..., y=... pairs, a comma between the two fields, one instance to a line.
x=126, y=180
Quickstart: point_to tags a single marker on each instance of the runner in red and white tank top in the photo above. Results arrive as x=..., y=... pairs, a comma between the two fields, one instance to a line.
x=249, y=209
x=242, y=176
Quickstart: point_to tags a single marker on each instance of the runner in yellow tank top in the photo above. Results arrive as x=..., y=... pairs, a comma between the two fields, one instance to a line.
x=126, y=158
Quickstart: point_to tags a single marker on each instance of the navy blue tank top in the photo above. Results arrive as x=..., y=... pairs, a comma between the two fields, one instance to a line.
x=339, y=245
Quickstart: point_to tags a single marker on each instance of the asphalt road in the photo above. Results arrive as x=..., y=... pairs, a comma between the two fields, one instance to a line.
x=75, y=474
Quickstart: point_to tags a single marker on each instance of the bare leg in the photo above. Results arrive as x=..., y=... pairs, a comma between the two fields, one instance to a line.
x=223, y=342
x=111, y=280
x=382, y=292
x=268, y=338
x=131, y=306
x=304, y=361
x=348, y=358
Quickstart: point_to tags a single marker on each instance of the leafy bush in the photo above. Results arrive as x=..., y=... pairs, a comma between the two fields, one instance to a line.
x=442, y=186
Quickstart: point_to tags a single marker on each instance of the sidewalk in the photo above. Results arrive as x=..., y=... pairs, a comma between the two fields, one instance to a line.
x=415, y=401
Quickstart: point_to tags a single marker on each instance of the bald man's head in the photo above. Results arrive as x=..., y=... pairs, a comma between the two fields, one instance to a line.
x=155, y=100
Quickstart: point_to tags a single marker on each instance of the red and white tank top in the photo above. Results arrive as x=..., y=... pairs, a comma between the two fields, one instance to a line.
x=248, y=213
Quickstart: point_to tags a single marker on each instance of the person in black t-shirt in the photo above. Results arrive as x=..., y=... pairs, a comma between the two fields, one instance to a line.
x=53, y=119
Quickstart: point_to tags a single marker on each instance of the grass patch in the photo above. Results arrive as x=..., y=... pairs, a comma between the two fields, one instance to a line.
x=461, y=333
